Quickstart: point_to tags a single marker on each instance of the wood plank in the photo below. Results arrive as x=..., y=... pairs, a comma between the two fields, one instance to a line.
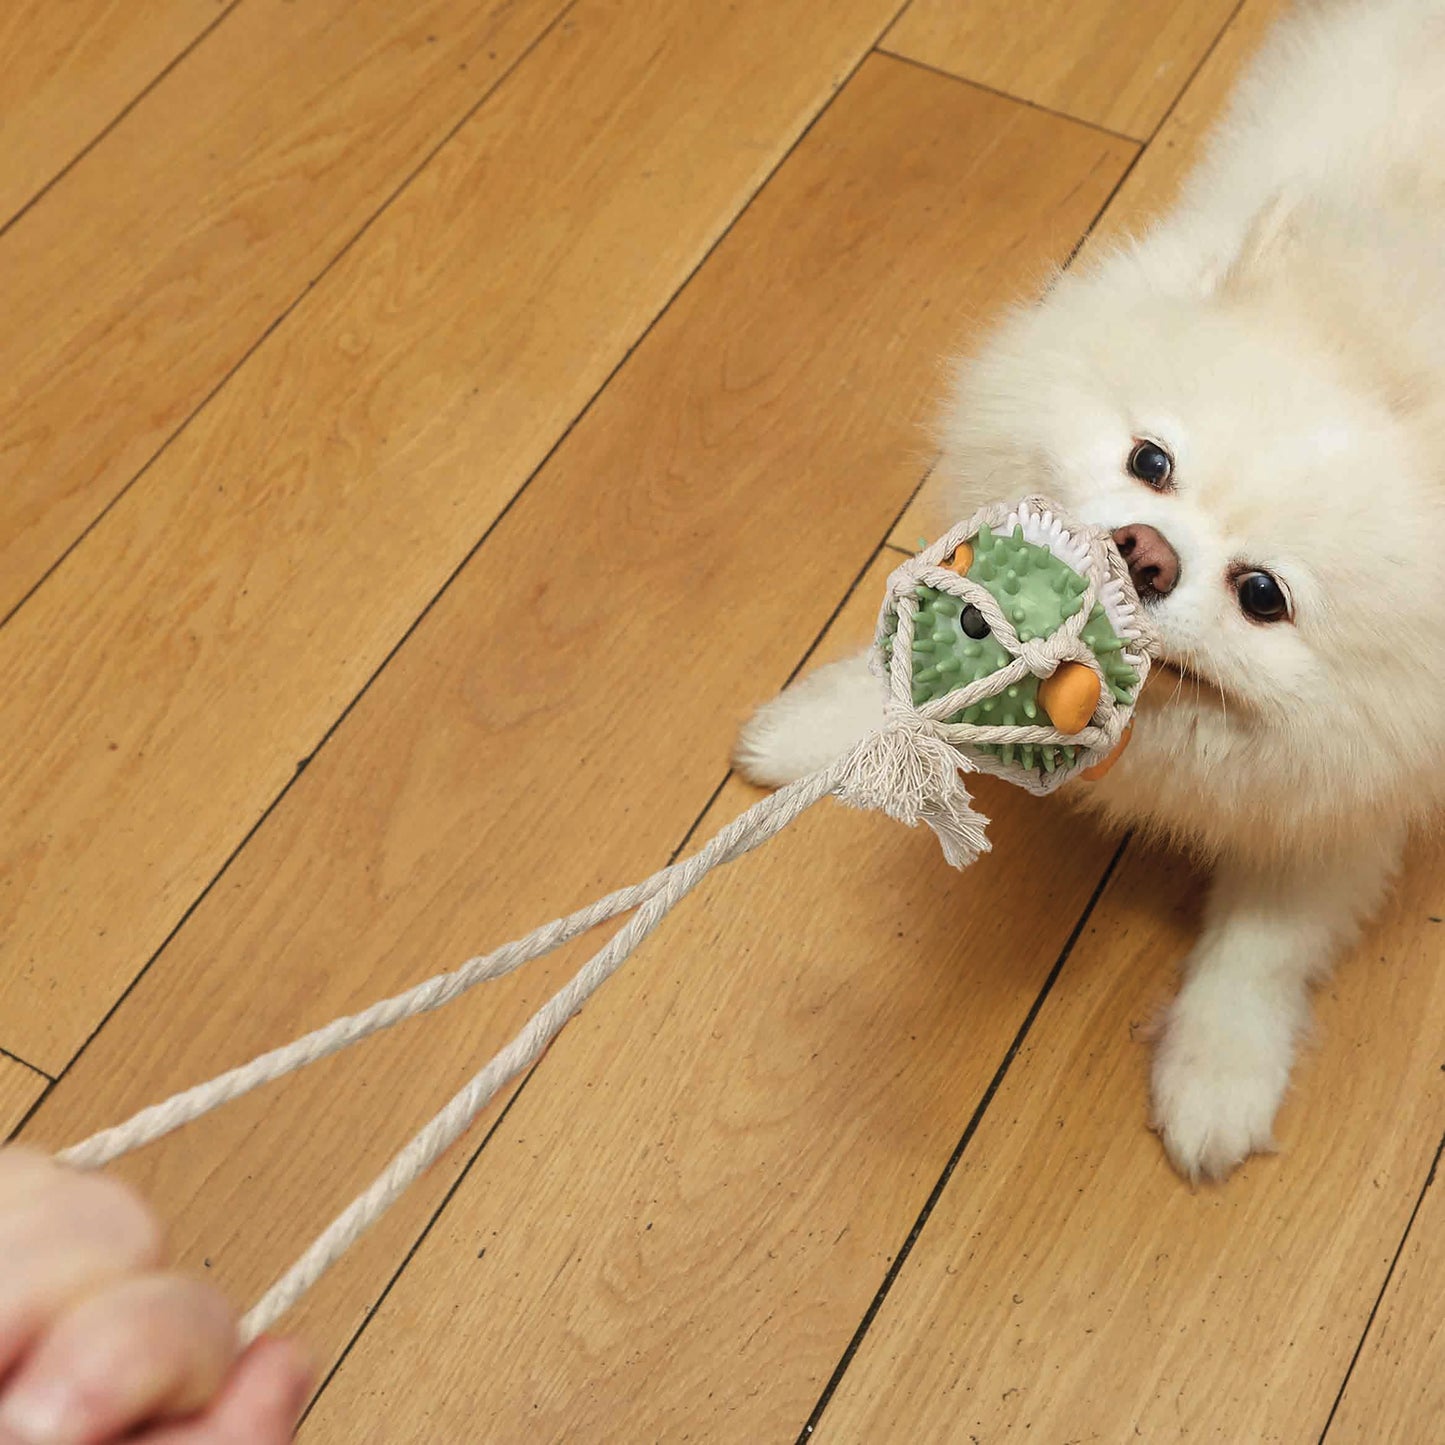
x=71, y=69
x=465, y=798
x=1395, y=1391
x=20, y=1087
x=687, y=1212
x=1069, y=1285
x=147, y=273
x=167, y=680
x=1149, y=189
x=1115, y=63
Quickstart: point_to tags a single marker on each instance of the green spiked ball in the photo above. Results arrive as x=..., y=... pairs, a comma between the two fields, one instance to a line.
x=952, y=646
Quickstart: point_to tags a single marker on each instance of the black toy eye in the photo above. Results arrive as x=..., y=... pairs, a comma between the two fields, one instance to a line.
x=972, y=621
x=1261, y=597
x=1151, y=464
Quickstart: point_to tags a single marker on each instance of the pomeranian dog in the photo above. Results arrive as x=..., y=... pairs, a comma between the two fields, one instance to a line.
x=1251, y=397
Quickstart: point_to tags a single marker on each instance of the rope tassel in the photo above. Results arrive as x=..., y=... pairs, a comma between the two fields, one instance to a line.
x=913, y=769
x=907, y=771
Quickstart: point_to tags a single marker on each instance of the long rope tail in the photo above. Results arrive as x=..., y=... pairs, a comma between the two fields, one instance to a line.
x=653, y=899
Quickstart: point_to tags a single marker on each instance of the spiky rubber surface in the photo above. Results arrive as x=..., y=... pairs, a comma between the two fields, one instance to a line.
x=1037, y=593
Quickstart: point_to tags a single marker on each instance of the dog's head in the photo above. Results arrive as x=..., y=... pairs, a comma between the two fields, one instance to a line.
x=1279, y=503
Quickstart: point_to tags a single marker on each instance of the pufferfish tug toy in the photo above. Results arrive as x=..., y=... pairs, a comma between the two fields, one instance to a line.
x=1014, y=646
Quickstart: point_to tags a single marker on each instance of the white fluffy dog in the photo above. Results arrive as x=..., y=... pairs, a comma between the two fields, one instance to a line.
x=1253, y=398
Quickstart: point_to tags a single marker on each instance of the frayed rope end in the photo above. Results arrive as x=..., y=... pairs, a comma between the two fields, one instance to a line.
x=913, y=775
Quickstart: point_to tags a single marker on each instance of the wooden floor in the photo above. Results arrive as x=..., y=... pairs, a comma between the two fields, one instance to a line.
x=425, y=431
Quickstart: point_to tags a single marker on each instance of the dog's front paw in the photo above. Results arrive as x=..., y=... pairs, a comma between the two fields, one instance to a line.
x=1220, y=1074
x=812, y=724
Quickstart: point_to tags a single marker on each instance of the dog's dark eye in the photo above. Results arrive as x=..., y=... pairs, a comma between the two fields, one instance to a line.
x=972, y=621
x=1151, y=464
x=1261, y=597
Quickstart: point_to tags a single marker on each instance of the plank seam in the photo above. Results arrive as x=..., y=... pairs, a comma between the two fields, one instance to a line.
x=25, y=1064
x=422, y=1235
x=1384, y=1289
x=116, y=119
x=895, y=1267
x=1145, y=140
x=1023, y=100
x=1193, y=74
x=29, y=1114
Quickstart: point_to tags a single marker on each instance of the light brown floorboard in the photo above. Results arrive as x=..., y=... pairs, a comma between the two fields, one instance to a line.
x=167, y=680
x=562, y=715
x=70, y=69
x=1116, y=63
x=143, y=277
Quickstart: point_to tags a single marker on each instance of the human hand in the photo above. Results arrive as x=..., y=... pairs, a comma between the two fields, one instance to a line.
x=100, y=1343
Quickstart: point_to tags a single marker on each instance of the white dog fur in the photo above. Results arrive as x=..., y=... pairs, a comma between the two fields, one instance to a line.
x=1281, y=333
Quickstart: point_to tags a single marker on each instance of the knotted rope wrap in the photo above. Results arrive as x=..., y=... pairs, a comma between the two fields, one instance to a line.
x=912, y=769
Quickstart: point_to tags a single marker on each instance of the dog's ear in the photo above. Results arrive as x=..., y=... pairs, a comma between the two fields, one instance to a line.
x=1263, y=253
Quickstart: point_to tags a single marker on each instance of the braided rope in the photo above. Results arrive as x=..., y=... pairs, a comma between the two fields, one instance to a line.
x=1040, y=657
x=911, y=768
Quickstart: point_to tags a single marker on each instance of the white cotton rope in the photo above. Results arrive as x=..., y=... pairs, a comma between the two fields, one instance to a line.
x=911, y=769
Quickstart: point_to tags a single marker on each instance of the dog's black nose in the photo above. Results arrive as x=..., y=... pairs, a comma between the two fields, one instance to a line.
x=1153, y=563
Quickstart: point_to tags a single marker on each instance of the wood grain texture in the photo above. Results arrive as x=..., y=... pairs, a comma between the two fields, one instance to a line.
x=144, y=276
x=1069, y=1285
x=1150, y=187
x=1116, y=63
x=20, y=1087
x=473, y=792
x=1396, y=1390
x=168, y=679
x=70, y=69
x=676, y=1229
